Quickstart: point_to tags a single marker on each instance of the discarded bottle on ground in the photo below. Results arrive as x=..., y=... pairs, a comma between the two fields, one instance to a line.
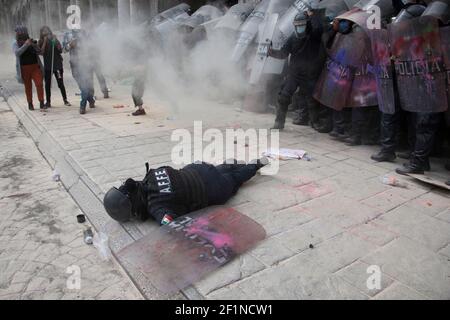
x=88, y=236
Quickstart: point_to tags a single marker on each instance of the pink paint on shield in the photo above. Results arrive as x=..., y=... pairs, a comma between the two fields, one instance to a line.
x=219, y=240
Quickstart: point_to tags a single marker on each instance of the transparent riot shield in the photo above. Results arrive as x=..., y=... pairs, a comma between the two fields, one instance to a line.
x=445, y=42
x=171, y=13
x=364, y=86
x=235, y=16
x=334, y=87
x=186, y=250
x=249, y=29
x=383, y=70
x=419, y=65
x=203, y=14
x=262, y=52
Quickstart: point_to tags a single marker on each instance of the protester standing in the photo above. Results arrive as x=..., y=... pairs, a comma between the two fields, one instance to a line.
x=51, y=50
x=28, y=66
x=81, y=63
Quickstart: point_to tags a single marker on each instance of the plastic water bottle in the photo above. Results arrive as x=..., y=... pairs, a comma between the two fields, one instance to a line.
x=392, y=181
x=56, y=176
x=88, y=236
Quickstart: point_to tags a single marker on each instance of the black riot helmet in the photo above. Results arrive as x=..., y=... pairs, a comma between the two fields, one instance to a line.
x=118, y=205
x=410, y=12
x=300, y=24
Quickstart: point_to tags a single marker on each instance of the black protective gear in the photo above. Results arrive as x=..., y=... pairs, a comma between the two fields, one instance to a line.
x=410, y=169
x=427, y=125
x=282, y=108
x=118, y=205
x=341, y=122
x=383, y=157
x=169, y=193
x=365, y=125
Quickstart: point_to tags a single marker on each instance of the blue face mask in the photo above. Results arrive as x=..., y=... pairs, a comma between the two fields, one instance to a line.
x=300, y=30
x=344, y=26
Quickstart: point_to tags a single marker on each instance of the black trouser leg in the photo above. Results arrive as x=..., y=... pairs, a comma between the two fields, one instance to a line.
x=138, y=88
x=358, y=119
x=372, y=127
x=48, y=85
x=239, y=173
x=301, y=105
x=411, y=119
x=427, y=125
x=389, y=129
x=338, y=121
x=59, y=74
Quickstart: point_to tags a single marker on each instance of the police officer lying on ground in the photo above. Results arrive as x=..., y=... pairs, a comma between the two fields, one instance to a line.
x=167, y=193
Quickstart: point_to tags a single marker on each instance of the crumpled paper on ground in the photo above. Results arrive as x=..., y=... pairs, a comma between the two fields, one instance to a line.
x=285, y=154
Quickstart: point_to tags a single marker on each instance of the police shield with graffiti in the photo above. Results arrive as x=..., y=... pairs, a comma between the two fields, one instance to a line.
x=419, y=80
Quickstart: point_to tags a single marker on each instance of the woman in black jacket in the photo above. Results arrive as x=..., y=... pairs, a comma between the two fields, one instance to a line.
x=51, y=50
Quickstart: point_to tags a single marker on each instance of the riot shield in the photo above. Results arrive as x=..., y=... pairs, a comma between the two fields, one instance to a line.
x=364, y=86
x=249, y=29
x=419, y=67
x=386, y=7
x=235, y=16
x=189, y=248
x=333, y=8
x=383, y=70
x=445, y=42
x=171, y=13
x=262, y=52
x=335, y=85
x=203, y=14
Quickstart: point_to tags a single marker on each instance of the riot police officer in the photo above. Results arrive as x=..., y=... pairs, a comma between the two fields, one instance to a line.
x=167, y=193
x=307, y=57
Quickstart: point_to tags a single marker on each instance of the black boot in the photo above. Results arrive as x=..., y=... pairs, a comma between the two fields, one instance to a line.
x=30, y=106
x=82, y=110
x=353, y=140
x=324, y=126
x=280, y=118
x=404, y=155
x=334, y=133
x=426, y=128
x=48, y=104
x=383, y=156
x=343, y=136
x=301, y=121
x=426, y=166
x=410, y=168
x=42, y=105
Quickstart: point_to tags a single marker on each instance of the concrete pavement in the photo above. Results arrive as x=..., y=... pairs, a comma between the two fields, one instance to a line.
x=42, y=253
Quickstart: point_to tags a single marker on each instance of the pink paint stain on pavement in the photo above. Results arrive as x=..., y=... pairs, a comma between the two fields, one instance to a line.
x=314, y=190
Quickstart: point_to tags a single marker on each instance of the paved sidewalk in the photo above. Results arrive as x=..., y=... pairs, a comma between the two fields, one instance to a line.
x=39, y=234
x=327, y=220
